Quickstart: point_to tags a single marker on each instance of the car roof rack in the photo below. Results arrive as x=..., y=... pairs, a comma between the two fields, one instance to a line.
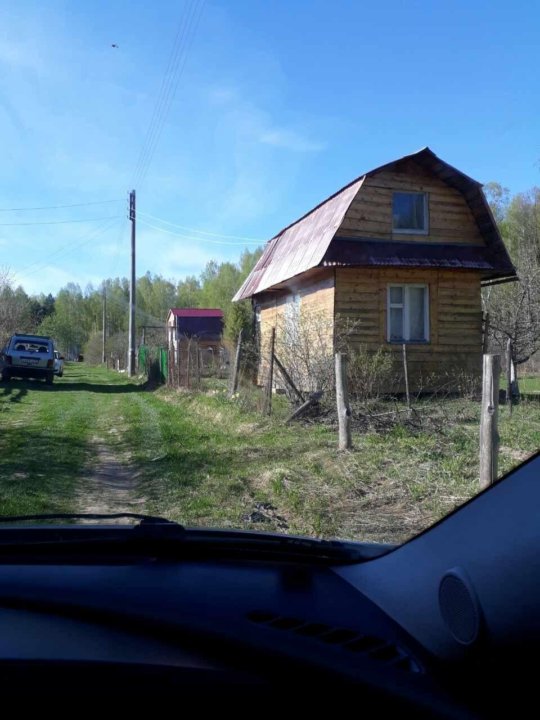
x=33, y=337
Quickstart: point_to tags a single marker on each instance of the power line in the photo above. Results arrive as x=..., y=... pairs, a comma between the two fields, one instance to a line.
x=175, y=67
x=58, y=207
x=196, y=239
x=60, y=222
x=202, y=232
x=43, y=263
x=169, y=77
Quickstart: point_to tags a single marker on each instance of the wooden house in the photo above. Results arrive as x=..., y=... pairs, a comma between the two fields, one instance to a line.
x=402, y=251
x=203, y=325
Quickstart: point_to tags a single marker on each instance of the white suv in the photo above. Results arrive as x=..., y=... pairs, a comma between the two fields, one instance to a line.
x=28, y=356
x=58, y=364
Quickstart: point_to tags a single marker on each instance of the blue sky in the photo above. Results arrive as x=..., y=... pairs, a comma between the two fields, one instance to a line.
x=279, y=104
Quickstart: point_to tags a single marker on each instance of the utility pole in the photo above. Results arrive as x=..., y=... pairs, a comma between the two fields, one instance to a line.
x=104, y=325
x=131, y=352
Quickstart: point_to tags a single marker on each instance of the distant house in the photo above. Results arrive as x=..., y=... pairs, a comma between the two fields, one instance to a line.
x=402, y=251
x=204, y=325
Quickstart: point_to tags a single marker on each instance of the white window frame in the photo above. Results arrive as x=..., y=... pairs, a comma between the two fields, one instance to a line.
x=405, y=307
x=412, y=231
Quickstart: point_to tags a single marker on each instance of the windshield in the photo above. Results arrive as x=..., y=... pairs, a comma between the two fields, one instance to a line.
x=274, y=307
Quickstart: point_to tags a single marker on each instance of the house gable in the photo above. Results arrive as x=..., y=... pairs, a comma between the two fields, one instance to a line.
x=450, y=219
x=335, y=232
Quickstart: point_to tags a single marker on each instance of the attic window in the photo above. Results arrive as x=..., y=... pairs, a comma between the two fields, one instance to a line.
x=410, y=213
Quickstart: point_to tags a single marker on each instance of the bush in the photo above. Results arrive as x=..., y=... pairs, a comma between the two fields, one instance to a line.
x=93, y=348
x=370, y=374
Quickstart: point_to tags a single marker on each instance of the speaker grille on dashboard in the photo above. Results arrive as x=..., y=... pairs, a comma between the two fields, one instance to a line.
x=459, y=607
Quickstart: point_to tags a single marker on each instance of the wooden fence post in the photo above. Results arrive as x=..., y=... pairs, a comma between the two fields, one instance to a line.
x=485, y=337
x=270, y=378
x=406, y=373
x=233, y=382
x=342, y=400
x=509, y=384
x=489, y=436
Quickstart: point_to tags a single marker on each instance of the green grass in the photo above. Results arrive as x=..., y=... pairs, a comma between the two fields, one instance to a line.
x=530, y=384
x=204, y=460
x=46, y=437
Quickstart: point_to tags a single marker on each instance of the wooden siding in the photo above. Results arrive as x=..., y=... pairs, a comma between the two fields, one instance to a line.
x=370, y=213
x=316, y=308
x=455, y=316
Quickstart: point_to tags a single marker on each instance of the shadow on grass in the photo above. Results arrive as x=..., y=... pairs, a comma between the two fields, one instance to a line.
x=13, y=393
x=19, y=388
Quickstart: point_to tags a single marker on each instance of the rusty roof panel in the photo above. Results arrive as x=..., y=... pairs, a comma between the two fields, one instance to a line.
x=299, y=246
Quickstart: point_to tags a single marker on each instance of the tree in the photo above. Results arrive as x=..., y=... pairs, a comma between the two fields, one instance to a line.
x=188, y=293
x=74, y=318
x=514, y=308
x=40, y=308
x=70, y=325
x=15, y=311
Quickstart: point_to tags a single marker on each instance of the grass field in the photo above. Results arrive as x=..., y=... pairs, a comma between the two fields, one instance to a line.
x=530, y=384
x=201, y=459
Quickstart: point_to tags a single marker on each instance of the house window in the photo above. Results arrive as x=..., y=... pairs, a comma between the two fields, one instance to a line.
x=292, y=317
x=408, y=313
x=410, y=213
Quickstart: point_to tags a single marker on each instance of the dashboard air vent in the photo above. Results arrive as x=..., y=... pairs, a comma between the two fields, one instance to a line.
x=350, y=640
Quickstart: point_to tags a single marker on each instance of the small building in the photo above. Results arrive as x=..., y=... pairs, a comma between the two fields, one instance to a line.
x=203, y=325
x=402, y=251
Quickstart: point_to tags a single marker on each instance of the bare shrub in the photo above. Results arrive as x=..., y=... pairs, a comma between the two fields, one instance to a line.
x=305, y=346
x=93, y=348
x=117, y=348
x=371, y=374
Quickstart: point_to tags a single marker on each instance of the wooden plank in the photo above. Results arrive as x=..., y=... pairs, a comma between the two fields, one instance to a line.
x=342, y=401
x=233, y=386
x=438, y=218
x=489, y=436
x=270, y=378
x=288, y=379
x=312, y=400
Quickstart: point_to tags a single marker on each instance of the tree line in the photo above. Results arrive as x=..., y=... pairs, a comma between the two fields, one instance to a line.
x=74, y=317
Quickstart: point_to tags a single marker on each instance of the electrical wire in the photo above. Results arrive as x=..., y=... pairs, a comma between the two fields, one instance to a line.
x=194, y=239
x=168, y=80
x=173, y=72
x=60, y=222
x=202, y=232
x=58, y=207
x=44, y=262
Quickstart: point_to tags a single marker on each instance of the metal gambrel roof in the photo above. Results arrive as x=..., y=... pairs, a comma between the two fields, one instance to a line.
x=304, y=244
x=299, y=246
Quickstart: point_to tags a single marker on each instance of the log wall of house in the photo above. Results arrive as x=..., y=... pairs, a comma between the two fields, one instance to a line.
x=370, y=213
x=316, y=307
x=455, y=317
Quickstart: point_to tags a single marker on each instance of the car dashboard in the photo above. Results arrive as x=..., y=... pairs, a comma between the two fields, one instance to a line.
x=446, y=625
x=168, y=625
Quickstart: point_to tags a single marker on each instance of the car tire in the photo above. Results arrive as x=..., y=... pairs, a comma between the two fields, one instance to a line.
x=6, y=376
x=49, y=379
x=60, y=374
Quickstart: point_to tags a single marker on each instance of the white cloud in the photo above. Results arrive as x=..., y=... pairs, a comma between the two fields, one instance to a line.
x=290, y=140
